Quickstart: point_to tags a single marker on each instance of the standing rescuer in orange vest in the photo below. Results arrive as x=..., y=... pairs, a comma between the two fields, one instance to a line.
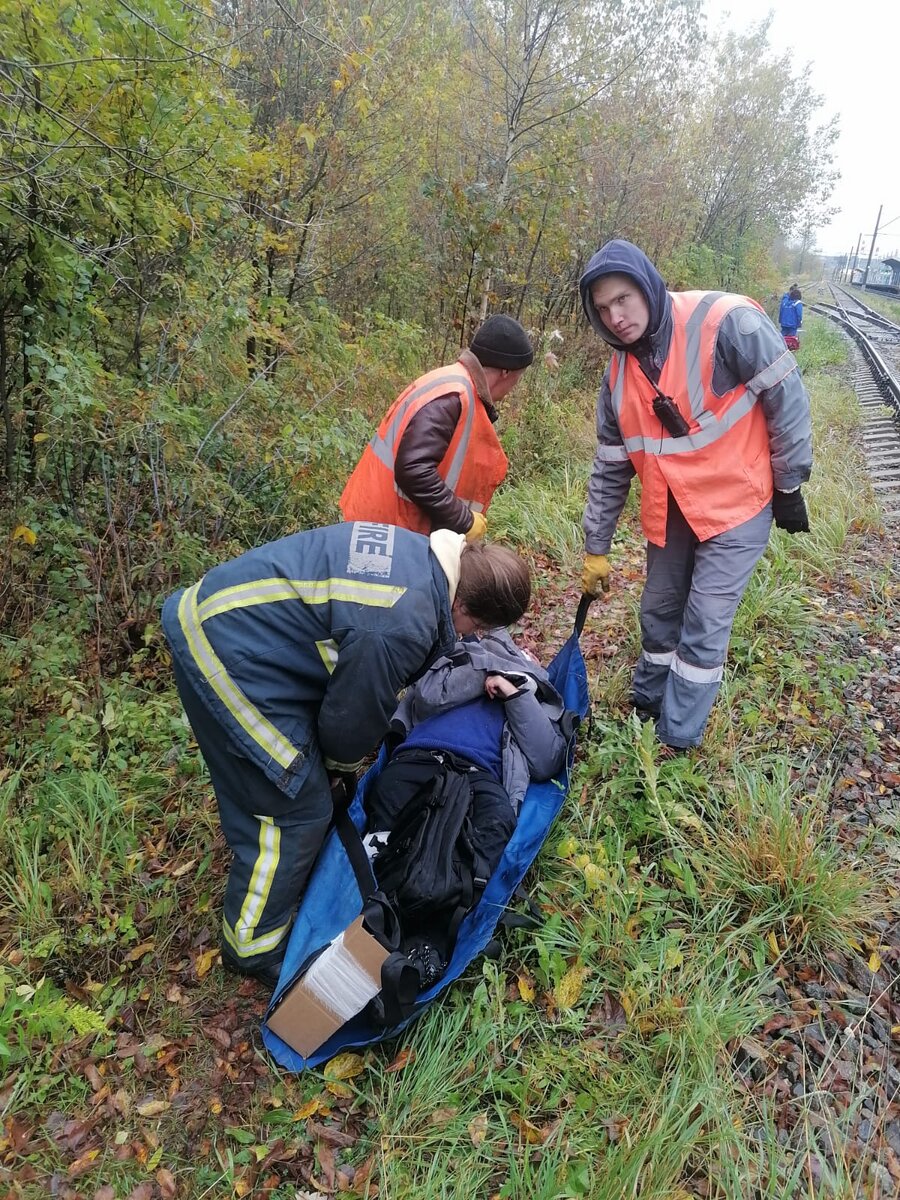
x=705, y=404
x=435, y=460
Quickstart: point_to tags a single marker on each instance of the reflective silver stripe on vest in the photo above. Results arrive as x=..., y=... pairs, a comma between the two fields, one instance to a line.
x=612, y=453
x=618, y=390
x=385, y=448
x=693, y=330
x=774, y=373
x=711, y=429
x=456, y=463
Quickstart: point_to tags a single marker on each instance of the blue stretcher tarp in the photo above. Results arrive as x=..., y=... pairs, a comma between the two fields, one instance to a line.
x=332, y=899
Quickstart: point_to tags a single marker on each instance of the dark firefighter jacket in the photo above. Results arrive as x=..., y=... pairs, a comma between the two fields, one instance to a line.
x=309, y=639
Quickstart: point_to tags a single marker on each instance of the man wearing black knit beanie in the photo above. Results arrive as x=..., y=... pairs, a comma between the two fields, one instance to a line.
x=435, y=460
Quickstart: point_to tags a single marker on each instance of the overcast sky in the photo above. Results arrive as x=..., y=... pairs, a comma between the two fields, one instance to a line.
x=852, y=52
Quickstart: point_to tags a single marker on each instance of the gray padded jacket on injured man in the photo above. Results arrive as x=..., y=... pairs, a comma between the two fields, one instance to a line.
x=533, y=748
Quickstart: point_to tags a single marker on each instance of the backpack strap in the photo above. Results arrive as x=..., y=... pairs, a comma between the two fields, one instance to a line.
x=381, y=920
x=400, y=985
x=400, y=982
x=356, y=852
x=473, y=885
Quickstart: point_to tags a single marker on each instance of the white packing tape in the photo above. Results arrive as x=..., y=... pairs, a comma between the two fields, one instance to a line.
x=338, y=981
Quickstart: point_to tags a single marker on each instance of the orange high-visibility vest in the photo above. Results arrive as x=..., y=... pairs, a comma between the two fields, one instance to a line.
x=720, y=473
x=473, y=466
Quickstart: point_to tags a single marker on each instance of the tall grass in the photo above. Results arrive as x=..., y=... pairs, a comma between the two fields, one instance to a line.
x=598, y=1058
x=74, y=883
x=776, y=857
x=822, y=345
x=542, y=516
x=505, y=1101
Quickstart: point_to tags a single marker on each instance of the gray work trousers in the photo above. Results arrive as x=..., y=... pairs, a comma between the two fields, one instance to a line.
x=688, y=605
x=275, y=839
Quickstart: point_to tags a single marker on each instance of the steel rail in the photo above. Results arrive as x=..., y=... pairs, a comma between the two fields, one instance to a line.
x=887, y=384
x=876, y=317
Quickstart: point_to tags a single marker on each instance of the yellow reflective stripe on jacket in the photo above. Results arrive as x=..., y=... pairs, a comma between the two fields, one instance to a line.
x=246, y=714
x=328, y=652
x=240, y=938
x=310, y=591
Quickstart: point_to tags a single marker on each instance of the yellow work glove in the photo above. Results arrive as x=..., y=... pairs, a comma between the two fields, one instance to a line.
x=478, y=528
x=596, y=571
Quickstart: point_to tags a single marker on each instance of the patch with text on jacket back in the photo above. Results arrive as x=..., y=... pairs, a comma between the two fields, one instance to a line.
x=371, y=549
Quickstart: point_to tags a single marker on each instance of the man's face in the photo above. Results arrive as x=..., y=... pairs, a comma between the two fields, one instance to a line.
x=621, y=306
x=504, y=383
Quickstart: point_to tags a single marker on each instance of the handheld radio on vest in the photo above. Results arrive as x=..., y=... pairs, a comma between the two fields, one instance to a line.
x=666, y=409
x=671, y=419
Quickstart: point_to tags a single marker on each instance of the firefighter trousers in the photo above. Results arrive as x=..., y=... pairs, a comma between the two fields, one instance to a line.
x=274, y=839
x=688, y=606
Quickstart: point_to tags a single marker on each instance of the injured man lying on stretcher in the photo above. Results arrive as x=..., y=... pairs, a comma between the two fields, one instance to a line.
x=488, y=718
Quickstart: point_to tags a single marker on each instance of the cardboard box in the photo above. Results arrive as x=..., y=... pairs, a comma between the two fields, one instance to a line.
x=302, y=1019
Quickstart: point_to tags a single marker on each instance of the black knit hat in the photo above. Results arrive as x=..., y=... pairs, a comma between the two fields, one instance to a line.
x=502, y=342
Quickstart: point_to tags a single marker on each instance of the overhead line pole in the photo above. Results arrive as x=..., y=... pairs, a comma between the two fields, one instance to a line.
x=872, y=247
x=856, y=257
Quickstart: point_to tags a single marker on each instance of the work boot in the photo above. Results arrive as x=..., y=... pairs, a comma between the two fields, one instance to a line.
x=644, y=714
x=266, y=973
x=642, y=710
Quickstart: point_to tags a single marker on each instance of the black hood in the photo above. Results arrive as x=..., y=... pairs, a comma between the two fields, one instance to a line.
x=619, y=257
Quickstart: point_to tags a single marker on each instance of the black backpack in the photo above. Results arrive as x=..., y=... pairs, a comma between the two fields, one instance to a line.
x=421, y=883
x=429, y=868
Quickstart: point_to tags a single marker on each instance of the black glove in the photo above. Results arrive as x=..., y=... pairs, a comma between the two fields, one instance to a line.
x=789, y=511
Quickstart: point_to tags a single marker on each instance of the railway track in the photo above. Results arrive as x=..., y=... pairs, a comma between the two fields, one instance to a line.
x=876, y=366
x=881, y=330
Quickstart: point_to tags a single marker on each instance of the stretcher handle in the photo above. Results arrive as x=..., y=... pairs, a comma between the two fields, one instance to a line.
x=581, y=615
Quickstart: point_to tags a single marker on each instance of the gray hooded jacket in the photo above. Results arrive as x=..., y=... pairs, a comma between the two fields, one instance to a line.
x=538, y=725
x=747, y=343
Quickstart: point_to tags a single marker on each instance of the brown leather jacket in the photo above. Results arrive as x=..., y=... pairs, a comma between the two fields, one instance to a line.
x=423, y=446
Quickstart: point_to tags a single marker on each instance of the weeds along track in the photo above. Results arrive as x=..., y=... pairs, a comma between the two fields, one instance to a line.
x=876, y=381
